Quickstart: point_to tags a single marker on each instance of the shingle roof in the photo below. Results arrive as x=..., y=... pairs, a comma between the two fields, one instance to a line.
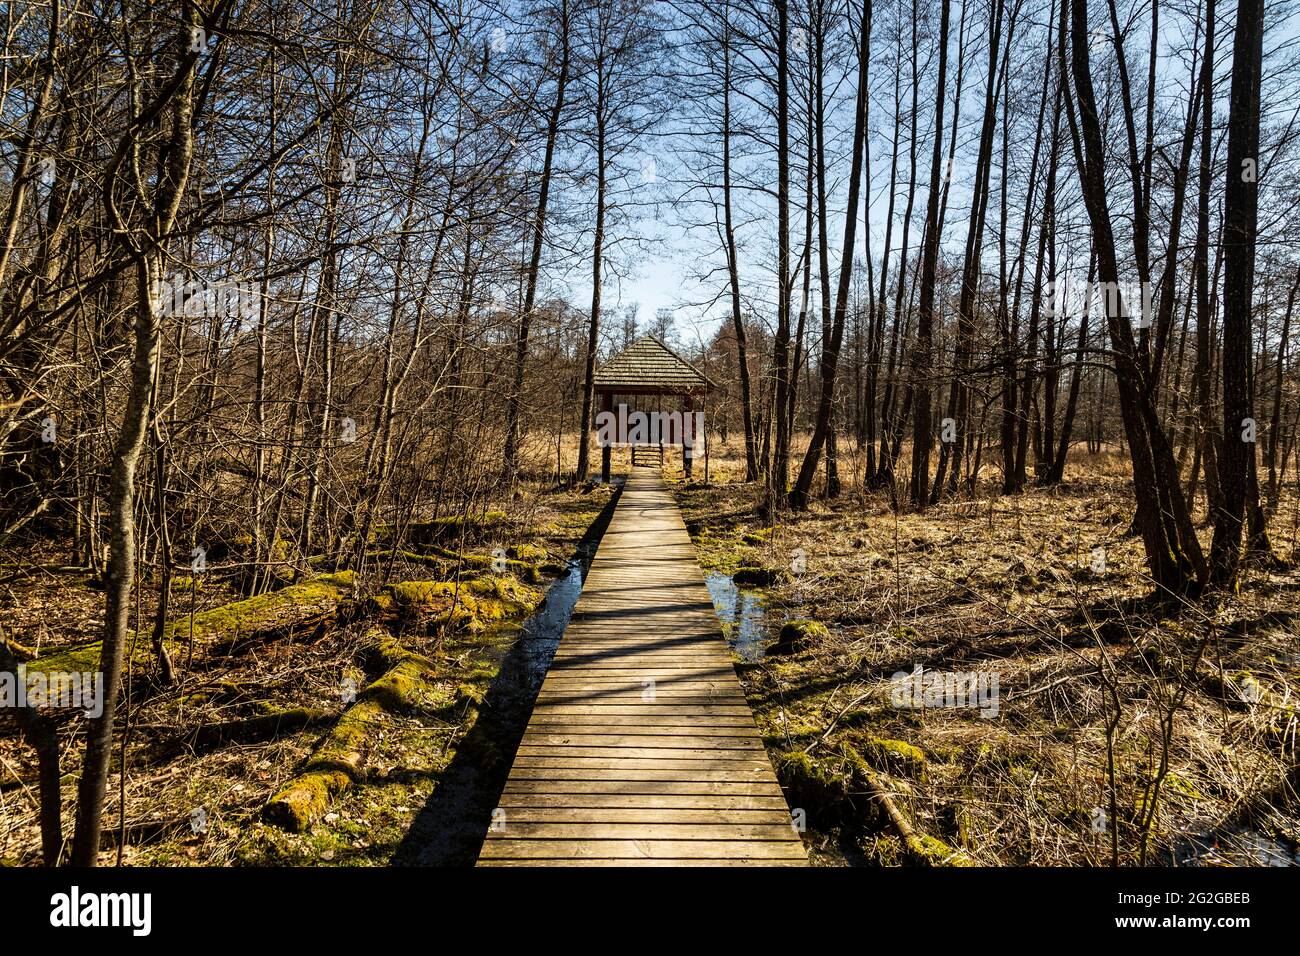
x=650, y=364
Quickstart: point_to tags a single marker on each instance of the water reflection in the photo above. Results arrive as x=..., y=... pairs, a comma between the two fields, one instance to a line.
x=741, y=613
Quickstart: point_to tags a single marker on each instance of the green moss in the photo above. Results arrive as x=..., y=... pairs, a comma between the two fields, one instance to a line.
x=469, y=693
x=497, y=564
x=82, y=658
x=394, y=691
x=1007, y=755
x=506, y=596
x=892, y=756
x=930, y=851
x=1175, y=788
x=305, y=800
x=820, y=786
x=471, y=604
x=337, y=762
x=339, y=579
x=799, y=633
x=453, y=527
x=1177, y=783
x=886, y=849
x=527, y=552
x=417, y=593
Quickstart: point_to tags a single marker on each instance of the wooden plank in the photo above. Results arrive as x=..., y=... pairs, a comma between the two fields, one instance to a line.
x=773, y=832
x=675, y=774
x=680, y=748
x=633, y=850
x=610, y=802
x=643, y=862
x=634, y=735
x=648, y=816
x=641, y=748
x=685, y=769
x=645, y=710
x=650, y=694
x=606, y=786
x=550, y=722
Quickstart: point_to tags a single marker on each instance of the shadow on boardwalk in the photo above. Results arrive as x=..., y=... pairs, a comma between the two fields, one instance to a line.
x=449, y=829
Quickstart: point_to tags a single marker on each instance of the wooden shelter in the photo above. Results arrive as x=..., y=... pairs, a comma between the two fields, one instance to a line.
x=640, y=378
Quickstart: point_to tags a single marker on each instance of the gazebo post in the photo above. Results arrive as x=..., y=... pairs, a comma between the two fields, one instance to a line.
x=704, y=419
x=686, y=429
x=659, y=408
x=606, y=405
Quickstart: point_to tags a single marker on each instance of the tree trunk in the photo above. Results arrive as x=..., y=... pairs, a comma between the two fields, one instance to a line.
x=1173, y=553
x=922, y=351
x=779, y=476
x=1206, y=446
x=510, y=463
x=1240, y=211
x=733, y=260
x=1275, y=423
x=831, y=345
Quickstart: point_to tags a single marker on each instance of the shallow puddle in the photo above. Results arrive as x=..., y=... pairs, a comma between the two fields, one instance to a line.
x=741, y=612
x=1235, y=846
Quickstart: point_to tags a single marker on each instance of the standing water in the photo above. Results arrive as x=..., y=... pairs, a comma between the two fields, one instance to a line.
x=741, y=614
x=449, y=829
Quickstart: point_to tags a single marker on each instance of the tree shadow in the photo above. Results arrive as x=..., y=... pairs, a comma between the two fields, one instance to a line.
x=450, y=827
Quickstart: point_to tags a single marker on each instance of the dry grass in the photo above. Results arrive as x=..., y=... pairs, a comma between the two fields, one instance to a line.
x=170, y=776
x=1202, y=699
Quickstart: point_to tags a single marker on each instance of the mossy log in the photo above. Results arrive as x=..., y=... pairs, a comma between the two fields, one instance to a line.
x=452, y=527
x=275, y=610
x=21, y=653
x=893, y=756
x=529, y=563
x=533, y=553
x=339, y=759
x=921, y=849
x=525, y=570
x=829, y=784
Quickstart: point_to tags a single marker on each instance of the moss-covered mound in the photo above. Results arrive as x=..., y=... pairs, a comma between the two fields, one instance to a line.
x=471, y=604
x=799, y=633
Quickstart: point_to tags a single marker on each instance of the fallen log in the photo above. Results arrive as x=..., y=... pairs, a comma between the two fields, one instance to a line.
x=339, y=758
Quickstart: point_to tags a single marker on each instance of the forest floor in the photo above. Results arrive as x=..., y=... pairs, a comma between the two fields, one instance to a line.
x=1201, y=700
x=310, y=725
x=335, y=722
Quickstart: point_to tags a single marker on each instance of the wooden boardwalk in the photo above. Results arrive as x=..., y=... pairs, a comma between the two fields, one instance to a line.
x=641, y=749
